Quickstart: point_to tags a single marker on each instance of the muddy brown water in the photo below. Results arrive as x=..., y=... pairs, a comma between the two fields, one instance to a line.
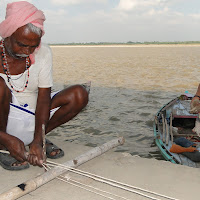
x=129, y=85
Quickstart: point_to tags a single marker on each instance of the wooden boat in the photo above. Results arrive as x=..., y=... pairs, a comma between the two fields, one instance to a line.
x=174, y=122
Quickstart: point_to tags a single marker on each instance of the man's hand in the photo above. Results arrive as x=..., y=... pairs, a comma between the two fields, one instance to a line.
x=16, y=148
x=195, y=105
x=35, y=156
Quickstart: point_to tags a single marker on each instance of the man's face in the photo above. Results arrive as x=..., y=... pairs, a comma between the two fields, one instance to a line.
x=22, y=43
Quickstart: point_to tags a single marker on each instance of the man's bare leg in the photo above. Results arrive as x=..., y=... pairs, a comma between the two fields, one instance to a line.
x=71, y=101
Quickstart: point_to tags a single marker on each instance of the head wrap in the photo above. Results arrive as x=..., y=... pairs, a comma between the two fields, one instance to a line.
x=19, y=14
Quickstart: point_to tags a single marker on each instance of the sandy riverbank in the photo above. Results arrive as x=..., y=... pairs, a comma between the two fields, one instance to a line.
x=176, y=181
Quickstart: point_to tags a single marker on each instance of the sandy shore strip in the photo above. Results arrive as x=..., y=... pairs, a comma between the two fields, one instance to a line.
x=180, y=182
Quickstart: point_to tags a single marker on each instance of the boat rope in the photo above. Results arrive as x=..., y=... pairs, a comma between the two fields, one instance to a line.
x=84, y=186
x=111, y=182
x=101, y=190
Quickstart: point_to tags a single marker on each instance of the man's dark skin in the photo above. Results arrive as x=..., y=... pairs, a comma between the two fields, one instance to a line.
x=71, y=100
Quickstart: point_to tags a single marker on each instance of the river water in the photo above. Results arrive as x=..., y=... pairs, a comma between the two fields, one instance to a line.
x=129, y=85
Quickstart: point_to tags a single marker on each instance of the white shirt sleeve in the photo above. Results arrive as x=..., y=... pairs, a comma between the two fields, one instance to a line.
x=46, y=69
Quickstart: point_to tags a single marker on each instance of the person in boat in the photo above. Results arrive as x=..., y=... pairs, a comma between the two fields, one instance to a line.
x=26, y=101
x=195, y=103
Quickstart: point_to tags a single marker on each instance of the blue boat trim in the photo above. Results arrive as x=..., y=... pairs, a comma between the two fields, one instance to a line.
x=162, y=148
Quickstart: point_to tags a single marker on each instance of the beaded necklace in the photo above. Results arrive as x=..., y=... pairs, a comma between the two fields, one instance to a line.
x=7, y=71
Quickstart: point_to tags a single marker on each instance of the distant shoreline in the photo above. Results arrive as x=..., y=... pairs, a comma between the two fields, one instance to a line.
x=124, y=45
x=127, y=44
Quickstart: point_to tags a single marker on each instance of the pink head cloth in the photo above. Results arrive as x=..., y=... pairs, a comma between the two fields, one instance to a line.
x=19, y=14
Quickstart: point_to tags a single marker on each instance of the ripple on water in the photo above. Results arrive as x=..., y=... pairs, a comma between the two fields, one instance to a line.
x=92, y=131
x=114, y=119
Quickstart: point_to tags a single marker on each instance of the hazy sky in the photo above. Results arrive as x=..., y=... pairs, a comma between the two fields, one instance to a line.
x=118, y=20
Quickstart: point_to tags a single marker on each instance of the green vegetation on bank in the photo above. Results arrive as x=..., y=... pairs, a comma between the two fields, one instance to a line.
x=126, y=43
